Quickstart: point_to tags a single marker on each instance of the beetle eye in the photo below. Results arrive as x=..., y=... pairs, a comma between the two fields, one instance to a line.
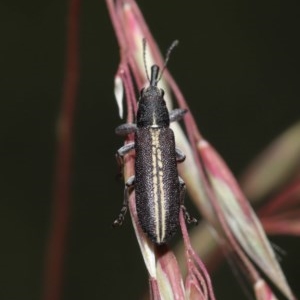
x=162, y=92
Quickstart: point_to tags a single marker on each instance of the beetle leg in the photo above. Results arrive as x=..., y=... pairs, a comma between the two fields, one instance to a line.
x=125, y=129
x=177, y=114
x=120, y=155
x=187, y=216
x=129, y=184
x=180, y=156
x=125, y=149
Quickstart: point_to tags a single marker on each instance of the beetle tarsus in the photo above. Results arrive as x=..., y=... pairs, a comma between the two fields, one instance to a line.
x=187, y=216
x=119, y=221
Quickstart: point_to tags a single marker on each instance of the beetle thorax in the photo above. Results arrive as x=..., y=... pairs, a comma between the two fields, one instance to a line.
x=152, y=110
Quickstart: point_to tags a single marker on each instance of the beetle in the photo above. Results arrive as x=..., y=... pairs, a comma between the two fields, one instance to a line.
x=159, y=191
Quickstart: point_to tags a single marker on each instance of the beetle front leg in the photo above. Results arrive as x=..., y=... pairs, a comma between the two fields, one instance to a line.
x=129, y=184
x=125, y=129
x=177, y=114
x=187, y=216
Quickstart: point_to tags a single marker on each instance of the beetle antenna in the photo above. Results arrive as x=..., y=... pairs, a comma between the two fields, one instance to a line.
x=144, y=58
x=168, y=54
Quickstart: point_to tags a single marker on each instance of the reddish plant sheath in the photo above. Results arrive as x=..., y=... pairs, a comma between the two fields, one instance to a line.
x=61, y=201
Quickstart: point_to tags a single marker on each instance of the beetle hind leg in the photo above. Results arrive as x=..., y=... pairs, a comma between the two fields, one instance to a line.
x=120, y=219
x=180, y=156
x=189, y=219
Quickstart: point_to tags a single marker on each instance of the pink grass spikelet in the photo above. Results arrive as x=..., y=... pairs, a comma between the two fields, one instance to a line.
x=238, y=217
x=209, y=181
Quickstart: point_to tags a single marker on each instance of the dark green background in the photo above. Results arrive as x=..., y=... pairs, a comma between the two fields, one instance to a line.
x=238, y=66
